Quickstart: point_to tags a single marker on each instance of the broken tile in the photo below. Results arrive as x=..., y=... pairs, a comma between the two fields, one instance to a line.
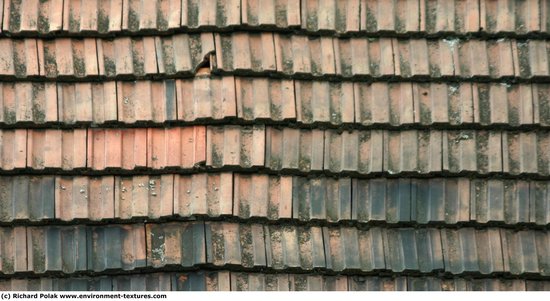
x=205, y=98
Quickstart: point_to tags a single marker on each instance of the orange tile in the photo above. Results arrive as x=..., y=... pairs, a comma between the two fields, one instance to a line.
x=181, y=53
x=331, y=15
x=206, y=97
x=248, y=51
x=75, y=102
x=143, y=196
x=210, y=13
x=265, y=98
x=14, y=255
x=73, y=198
x=14, y=149
x=235, y=146
x=203, y=194
x=272, y=12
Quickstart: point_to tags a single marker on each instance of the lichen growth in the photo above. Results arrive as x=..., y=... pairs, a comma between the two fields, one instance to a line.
x=133, y=20
x=79, y=66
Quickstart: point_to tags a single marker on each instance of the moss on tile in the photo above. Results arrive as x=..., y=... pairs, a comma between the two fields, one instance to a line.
x=304, y=164
x=221, y=14
x=102, y=21
x=110, y=67
x=43, y=24
x=74, y=23
x=244, y=209
x=162, y=23
x=276, y=112
x=247, y=256
x=484, y=104
x=79, y=66
x=50, y=64
x=7, y=265
x=217, y=157
x=192, y=14
x=10, y=117
x=133, y=20
x=15, y=17
x=371, y=21
x=218, y=246
x=19, y=64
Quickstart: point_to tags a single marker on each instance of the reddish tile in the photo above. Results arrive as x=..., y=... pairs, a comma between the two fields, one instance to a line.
x=378, y=15
x=69, y=57
x=352, y=57
x=511, y=16
x=143, y=196
x=176, y=147
x=104, y=102
x=431, y=103
x=235, y=146
x=261, y=98
x=19, y=58
x=262, y=196
x=324, y=102
x=280, y=13
x=120, y=247
x=340, y=16
x=473, y=59
x=43, y=148
x=84, y=198
x=502, y=59
x=294, y=247
x=210, y=13
x=289, y=148
x=139, y=15
x=13, y=255
x=107, y=146
x=176, y=244
x=6, y=57
x=28, y=102
x=472, y=151
x=25, y=16
x=126, y=56
x=380, y=103
x=520, y=152
x=182, y=53
x=146, y=101
x=57, y=248
x=411, y=57
x=75, y=102
x=302, y=55
x=206, y=97
x=203, y=194
x=13, y=153
x=246, y=51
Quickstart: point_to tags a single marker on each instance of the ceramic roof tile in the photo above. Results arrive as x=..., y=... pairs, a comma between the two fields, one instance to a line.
x=279, y=13
x=95, y=16
x=340, y=16
x=262, y=98
x=340, y=244
x=360, y=283
x=176, y=147
x=479, y=151
x=381, y=103
x=181, y=53
x=106, y=146
x=377, y=61
x=235, y=145
x=116, y=247
x=524, y=251
x=203, y=194
x=143, y=196
x=539, y=195
x=206, y=98
x=289, y=148
x=358, y=151
x=32, y=15
x=27, y=198
x=409, y=249
x=57, y=249
x=294, y=247
x=202, y=281
x=68, y=57
x=19, y=58
x=262, y=196
x=521, y=152
x=512, y=16
x=381, y=200
x=146, y=101
x=304, y=55
x=246, y=51
x=56, y=149
x=415, y=151
x=14, y=149
x=322, y=198
x=324, y=102
x=13, y=255
x=151, y=15
x=28, y=102
x=442, y=200
x=144, y=282
x=235, y=244
x=181, y=244
x=84, y=198
x=210, y=13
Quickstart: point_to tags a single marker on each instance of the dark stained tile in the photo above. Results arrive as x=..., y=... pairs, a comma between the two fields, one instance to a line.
x=381, y=200
x=413, y=151
x=57, y=248
x=181, y=53
x=181, y=244
x=305, y=55
x=235, y=244
x=32, y=16
x=13, y=149
x=202, y=281
x=205, y=98
x=341, y=247
x=143, y=196
x=325, y=102
x=541, y=103
x=28, y=102
x=407, y=249
x=84, y=198
x=279, y=13
x=95, y=16
x=140, y=101
x=358, y=151
x=411, y=57
x=13, y=250
x=487, y=203
x=232, y=145
x=262, y=98
x=539, y=202
x=294, y=247
x=203, y=194
x=333, y=15
x=262, y=196
x=289, y=148
x=27, y=198
x=497, y=285
x=210, y=13
x=321, y=199
x=521, y=255
x=363, y=283
x=144, y=282
x=68, y=58
x=424, y=284
x=532, y=58
x=441, y=200
x=14, y=284
x=116, y=247
x=534, y=285
x=56, y=149
x=520, y=152
x=20, y=58
x=246, y=51
x=479, y=151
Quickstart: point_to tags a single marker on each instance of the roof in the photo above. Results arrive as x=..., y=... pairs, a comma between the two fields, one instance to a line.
x=332, y=145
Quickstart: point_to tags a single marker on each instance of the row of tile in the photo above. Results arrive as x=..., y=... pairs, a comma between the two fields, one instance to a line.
x=70, y=249
x=236, y=281
x=371, y=16
x=244, y=196
x=355, y=151
x=256, y=99
x=286, y=55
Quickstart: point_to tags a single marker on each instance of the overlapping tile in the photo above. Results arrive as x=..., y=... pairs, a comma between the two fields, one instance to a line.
x=206, y=98
x=116, y=247
x=262, y=98
x=13, y=250
x=90, y=198
x=289, y=148
x=180, y=244
x=27, y=198
x=143, y=196
x=262, y=196
x=235, y=146
x=203, y=194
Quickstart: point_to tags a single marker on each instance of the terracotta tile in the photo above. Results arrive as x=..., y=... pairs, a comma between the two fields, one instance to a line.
x=203, y=194
x=246, y=51
x=13, y=152
x=501, y=59
x=539, y=201
x=126, y=56
x=462, y=105
x=443, y=57
x=376, y=283
x=520, y=153
x=262, y=196
x=294, y=149
x=541, y=104
x=452, y=16
x=181, y=53
x=294, y=247
x=335, y=199
x=441, y=200
x=229, y=243
x=176, y=244
x=176, y=147
x=304, y=55
x=28, y=102
x=6, y=57
x=26, y=198
x=25, y=16
x=143, y=282
x=324, y=102
x=422, y=248
x=106, y=146
x=139, y=15
x=70, y=57
x=260, y=98
x=279, y=13
x=210, y=13
x=534, y=285
x=342, y=244
x=146, y=101
x=13, y=255
x=521, y=105
x=378, y=15
x=411, y=57
x=472, y=151
x=520, y=252
x=104, y=102
x=380, y=103
x=487, y=201
x=491, y=104
x=235, y=146
x=26, y=284
x=57, y=248
x=202, y=281
x=511, y=16
x=331, y=15
x=432, y=102
x=205, y=97
x=116, y=247
x=352, y=57
x=381, y=200
x=143, y=196
x=75, y=102
x=74, y=199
